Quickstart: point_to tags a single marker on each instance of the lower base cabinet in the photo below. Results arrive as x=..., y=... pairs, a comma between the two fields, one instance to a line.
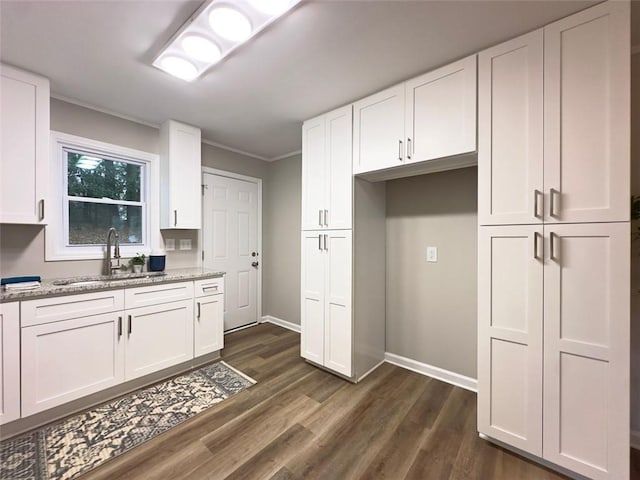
x=9, y=362
x=209, y=326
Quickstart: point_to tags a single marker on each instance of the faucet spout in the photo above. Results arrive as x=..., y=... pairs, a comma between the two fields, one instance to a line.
x=112, y=264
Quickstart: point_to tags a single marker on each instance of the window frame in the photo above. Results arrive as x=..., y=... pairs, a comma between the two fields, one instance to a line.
x=57, y=247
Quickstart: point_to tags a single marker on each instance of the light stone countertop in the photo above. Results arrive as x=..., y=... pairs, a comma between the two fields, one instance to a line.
x=69, y=285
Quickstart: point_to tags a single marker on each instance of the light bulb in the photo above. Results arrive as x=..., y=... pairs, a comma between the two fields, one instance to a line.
x=230, y=24
x=201, y=48
x=179, y=67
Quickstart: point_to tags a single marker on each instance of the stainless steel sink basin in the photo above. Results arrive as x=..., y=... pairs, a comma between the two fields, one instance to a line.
x=107, y=279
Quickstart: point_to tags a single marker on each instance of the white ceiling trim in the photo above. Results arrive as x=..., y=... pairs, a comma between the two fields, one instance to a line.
x=286, y=155
x=106, y=111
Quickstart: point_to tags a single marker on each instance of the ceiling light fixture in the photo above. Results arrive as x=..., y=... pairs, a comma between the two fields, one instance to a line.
x=215, y=30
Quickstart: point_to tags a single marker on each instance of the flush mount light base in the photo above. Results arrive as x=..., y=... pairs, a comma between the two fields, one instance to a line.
x=215, y=30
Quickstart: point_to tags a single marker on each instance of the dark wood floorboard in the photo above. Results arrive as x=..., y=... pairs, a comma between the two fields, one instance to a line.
x=300, y=422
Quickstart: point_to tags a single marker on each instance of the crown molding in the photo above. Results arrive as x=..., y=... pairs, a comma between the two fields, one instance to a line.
x=286, y=155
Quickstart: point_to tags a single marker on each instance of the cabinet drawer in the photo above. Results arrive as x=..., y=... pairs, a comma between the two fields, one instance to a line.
x=210, y=286
x=157, y=294
x=46, y=310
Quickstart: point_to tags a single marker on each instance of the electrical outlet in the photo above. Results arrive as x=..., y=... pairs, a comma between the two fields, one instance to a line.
x=432, y=254
x=169, y=244
x=185, y=244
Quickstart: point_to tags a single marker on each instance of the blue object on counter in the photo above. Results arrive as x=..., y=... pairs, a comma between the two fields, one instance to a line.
x=157, y=263
x=9, y=280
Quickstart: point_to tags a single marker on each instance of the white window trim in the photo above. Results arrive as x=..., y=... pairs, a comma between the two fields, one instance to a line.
x=55, y=243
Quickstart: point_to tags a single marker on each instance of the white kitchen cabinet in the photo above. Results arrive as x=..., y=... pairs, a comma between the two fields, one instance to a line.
x=9, y=362
x=570, y=164
x=586, y=348
x=510, y=271
x=426, y=118
x=326, y=300
x=378, y=131
x=24, y=149
x=327, y=171
x=440, y=112
x=587, y=115
x=510, y=132
x=157, y=337
x=180, y=176
x=209, y=317
x=68, y=359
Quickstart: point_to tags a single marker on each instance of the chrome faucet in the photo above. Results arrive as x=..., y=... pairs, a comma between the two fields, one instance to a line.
x=112, y=264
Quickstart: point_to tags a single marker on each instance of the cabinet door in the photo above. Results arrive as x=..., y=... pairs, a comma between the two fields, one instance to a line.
x=441, y=112
x=510, y=143
x=314, y=171
x=510, y=272
x=312, y=301
x=586, y=344
x=339, y=149
x=378, y=131
x=9, y=362
x=586, y=124
x=209, y=325
x=337, y=302
x=158, y=337
x=24, y=150
x=65, y=360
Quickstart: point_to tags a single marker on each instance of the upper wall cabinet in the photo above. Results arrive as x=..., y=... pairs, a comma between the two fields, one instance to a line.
x=24, y=146
x=180, y=176
x=327, y=182
x=583, y=70
x=429, y=117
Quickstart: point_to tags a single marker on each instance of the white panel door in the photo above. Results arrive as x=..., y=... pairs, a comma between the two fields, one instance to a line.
x=378, y=131
x=586, y=124
x=230, y=244
x=158, y=337
x=184, y=176
x=312, y=298
x=314, y=172
x=510, y=272
x=510, y=129
x=337, y=302
x=586, y=343
x=339, y=150
x=441, y=112
x=209, y=325
x=24, y=146
x=9, y=362
x=65, y=360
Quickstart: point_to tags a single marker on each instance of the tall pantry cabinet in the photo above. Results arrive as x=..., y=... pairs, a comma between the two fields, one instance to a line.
x=337, y=332
x=554, y=242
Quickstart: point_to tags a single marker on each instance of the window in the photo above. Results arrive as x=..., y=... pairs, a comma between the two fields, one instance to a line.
x=100, y=186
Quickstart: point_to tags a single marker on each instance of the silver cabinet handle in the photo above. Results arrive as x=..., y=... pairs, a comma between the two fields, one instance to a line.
x=535, y=245
x=320, y=242
x=409, y=152
x=129, y=328
x=326, y=218
x=214, y=287
x=320, y=217
x=175, y=218
x=537, y=194
x=400, y=150
x=552, y=202
x=41, y=209
x=553, y=238
x=119, y=327
x=198, y=316
x=326, y=246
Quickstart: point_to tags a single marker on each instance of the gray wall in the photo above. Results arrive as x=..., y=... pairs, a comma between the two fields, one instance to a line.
x=431, y=307
x=281, y=248
x=635, y=259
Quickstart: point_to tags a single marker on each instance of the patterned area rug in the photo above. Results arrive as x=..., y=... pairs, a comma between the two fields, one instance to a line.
x=64, y=450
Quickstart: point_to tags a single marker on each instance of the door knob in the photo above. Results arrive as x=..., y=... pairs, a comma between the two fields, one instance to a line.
x=255, y=264
x=254, y=254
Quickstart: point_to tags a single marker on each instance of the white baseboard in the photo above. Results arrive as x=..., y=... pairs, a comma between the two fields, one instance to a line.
x=635, y=439
x=281, y=323
x=453, y=378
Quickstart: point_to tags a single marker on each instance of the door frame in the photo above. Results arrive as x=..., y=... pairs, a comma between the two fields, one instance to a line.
x=258, y=182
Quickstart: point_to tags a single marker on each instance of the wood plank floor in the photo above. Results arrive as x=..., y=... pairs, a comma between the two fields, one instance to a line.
x=300, y=422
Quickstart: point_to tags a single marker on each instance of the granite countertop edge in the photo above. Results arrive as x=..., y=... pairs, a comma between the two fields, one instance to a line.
x=48, y=289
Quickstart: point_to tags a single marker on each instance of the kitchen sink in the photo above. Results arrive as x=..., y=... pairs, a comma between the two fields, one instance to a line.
x=106, y=279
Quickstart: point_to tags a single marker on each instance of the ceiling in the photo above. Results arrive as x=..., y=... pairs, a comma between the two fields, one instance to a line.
x=322, y=55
